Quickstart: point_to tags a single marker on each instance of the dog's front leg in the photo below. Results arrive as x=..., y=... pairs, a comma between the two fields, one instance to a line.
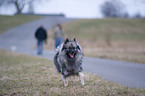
x=81, y=75
x=65, y=80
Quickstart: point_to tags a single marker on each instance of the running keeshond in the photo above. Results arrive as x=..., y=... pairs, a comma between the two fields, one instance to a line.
x=68, y=60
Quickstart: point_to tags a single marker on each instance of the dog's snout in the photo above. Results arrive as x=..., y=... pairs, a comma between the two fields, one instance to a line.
x=72, y=50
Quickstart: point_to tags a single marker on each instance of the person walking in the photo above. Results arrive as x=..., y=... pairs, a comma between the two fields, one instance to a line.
x=41, y=36
x=58, y=35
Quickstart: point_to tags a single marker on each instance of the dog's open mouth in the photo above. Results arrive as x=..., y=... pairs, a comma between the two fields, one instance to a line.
x=71, y=55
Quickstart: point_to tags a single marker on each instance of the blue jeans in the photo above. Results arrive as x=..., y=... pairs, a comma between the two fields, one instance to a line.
x=58, y=41
x=40, y=47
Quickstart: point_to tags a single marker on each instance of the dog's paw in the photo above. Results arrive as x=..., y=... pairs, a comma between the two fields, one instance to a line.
x=65, y=84
x=83, y=83
x=82, y=78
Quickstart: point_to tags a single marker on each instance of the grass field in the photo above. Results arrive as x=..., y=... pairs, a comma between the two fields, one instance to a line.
x=7, y=22
x=22, y=75
x=119, y=39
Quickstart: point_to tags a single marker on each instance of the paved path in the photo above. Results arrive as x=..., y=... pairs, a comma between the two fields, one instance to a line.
x=22, y=39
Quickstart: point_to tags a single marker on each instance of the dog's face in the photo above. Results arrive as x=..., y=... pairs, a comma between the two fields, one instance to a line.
x=71, y=48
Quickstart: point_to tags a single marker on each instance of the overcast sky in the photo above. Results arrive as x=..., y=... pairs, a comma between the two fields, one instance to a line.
x=79, y=8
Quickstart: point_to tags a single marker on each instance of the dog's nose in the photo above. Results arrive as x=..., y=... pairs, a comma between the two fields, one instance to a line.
x=72, y=51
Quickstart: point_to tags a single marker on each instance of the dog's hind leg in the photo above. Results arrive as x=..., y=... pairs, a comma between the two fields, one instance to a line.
x=81, y=75
x=65, y=80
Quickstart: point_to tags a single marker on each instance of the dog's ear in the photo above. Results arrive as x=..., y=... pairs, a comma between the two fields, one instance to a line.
x=63, y=48
x=78, y=47
x=67, y=40
x=75, y=40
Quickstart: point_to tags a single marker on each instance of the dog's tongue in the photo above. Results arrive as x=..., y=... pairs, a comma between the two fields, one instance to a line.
x=71, y=55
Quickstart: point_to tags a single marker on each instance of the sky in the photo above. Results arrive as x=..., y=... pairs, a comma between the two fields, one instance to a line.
x=78, y=8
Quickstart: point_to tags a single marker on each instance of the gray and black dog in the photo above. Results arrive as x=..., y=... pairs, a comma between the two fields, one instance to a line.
x=68, y=60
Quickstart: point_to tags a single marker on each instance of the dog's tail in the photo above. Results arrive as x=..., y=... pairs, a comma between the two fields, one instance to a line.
x=56, y=62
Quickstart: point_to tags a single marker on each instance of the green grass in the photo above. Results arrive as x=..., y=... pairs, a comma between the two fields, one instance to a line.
x=119, y=39
x=118, y=29
x=7, y=22
x=22, y=75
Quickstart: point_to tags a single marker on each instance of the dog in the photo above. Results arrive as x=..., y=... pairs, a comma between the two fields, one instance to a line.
x=68, y=60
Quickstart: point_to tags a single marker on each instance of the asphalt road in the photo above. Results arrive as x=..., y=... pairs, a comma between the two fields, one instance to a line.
x=21, y=39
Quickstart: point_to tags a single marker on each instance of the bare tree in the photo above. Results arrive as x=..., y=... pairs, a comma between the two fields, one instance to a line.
x=19, y=4
x=1, y=2
x=31, y=7
x=137, y=15
x=112, y=8
x=125, y=15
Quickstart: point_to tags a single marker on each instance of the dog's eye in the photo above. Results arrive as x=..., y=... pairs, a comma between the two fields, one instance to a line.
x=73, y=48
x=70, y=48
x=64, y=48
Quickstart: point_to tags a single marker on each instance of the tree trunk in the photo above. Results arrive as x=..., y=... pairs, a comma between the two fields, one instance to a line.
x=19, y=10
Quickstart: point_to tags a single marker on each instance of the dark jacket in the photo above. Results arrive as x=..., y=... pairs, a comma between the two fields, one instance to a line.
x=41, y=34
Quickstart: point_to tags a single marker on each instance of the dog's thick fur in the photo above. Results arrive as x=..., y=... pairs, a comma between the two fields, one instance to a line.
x=68, y=60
